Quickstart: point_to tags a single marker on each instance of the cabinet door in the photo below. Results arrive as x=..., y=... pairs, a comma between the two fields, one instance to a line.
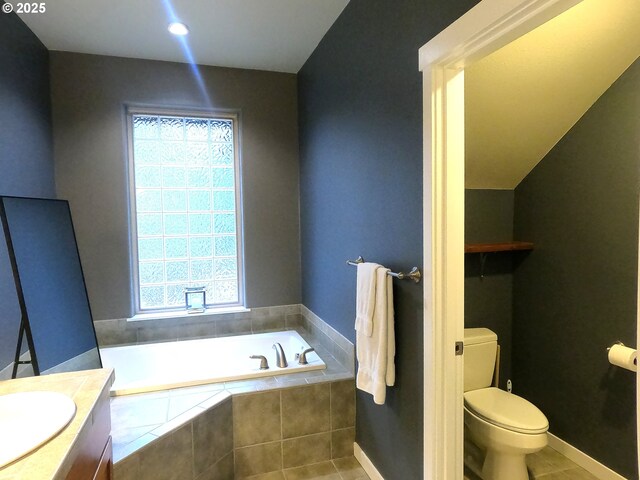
x=105, y=468
x=92, y=442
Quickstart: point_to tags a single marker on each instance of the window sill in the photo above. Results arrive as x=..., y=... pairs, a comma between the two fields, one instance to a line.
x=171, y=315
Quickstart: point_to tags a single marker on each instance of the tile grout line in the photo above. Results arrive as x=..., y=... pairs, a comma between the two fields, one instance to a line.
x=193, y=451
x=281, y=432
x=233, y=432
x=331, y=422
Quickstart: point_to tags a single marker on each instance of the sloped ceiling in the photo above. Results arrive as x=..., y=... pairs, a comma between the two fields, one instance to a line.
x=521, y=100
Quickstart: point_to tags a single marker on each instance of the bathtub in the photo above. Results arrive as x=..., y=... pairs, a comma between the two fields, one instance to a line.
x=161, y=366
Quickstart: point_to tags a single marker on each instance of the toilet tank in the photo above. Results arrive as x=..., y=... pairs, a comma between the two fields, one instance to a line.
x=480, y=346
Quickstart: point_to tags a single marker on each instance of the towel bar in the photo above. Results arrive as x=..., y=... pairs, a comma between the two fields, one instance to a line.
x=414, y=274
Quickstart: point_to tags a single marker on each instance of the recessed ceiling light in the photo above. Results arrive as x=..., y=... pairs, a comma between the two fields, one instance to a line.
x=178, y=28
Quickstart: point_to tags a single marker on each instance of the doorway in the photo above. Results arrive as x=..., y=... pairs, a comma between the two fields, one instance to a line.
x=484, y=29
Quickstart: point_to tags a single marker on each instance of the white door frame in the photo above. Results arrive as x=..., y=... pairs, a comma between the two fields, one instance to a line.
x=638, y=346
x=485, y=28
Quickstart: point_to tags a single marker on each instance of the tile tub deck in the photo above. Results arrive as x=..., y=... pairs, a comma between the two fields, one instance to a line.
x=142, y=423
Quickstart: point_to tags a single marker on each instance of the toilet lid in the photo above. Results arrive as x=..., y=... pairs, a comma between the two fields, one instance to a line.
x=506, y=410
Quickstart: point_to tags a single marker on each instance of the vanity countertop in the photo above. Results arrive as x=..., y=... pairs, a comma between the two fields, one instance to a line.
x=53, y=460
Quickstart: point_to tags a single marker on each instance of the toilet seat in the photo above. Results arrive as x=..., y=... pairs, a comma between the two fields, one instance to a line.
x=506, y=410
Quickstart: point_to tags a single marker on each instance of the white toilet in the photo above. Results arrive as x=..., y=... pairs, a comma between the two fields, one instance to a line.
x=506, y=426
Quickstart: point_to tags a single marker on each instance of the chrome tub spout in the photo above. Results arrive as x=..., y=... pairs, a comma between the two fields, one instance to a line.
x=281, y=360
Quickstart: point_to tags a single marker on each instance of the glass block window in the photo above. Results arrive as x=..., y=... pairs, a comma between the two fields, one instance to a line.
x=184, y=173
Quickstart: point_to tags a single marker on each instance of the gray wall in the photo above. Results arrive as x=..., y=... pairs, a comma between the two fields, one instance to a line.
x=488, y=300
x=361, y=185
x=26, y=157
x=575, y=294
x=89, y=94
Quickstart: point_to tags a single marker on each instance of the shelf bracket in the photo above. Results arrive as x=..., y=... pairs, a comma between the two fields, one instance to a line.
x=483, y=260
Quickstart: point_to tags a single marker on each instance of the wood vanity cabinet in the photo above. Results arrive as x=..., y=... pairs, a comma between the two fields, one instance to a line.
x=105, y=467
x=94, y=460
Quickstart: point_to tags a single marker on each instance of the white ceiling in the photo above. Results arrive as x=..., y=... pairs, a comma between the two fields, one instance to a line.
x=521, y=100
x=276, y=35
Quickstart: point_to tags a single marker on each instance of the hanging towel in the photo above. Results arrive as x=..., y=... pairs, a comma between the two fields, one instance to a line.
x=365, y=297
x=375, y=353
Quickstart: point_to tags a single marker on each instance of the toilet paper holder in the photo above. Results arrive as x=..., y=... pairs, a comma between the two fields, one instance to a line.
x=622, y=356
x=616, y=343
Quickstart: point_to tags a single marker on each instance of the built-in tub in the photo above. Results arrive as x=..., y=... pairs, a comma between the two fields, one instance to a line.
x=161, y=366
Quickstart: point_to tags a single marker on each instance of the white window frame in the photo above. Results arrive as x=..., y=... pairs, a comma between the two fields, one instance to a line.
x=232, y=115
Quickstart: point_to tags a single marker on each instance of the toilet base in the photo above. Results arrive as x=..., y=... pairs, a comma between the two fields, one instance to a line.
x=504, y=466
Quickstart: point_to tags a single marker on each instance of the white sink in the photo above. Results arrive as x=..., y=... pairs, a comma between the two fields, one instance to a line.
x=30, y=419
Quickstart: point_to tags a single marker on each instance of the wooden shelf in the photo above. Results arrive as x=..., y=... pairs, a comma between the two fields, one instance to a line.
x=497, y=247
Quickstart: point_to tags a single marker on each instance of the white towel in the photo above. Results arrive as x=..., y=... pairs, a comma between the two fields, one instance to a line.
x=365, y=297
x=375, y=353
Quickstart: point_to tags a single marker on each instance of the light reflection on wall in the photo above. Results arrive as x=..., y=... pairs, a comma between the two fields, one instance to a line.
x=186, y=49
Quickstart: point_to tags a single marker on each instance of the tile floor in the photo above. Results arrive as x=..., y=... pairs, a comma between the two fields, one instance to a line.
x=339, y=469
x=546, y=464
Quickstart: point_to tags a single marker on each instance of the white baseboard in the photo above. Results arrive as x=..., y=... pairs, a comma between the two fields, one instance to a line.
x=594, y=467
x=367, y=464
x=580, y=458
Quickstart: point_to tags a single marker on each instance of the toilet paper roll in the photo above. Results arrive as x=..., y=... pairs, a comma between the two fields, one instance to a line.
x=624, y=357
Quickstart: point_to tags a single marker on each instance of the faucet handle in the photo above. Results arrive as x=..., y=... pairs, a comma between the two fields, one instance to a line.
x=302, y=360
x=264, y=365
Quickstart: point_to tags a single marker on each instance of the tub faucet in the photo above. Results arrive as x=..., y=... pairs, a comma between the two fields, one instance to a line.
x=281, y=360
x=264, y=365
x=302, y=359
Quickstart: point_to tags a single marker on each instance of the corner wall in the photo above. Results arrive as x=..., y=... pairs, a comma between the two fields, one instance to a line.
x=360, y=104
x=90, y=93
x=26, y=155
x=576, y=293
x=488, y=218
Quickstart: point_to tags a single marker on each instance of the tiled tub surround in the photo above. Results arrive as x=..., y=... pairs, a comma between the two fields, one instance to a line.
x=133, y=416
x=166, y=365
x=320, y=332
x=257, y=320
x=198, y=444
x=224, y=436
x=296, y=427
x=315, y=408
x=189, y=326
